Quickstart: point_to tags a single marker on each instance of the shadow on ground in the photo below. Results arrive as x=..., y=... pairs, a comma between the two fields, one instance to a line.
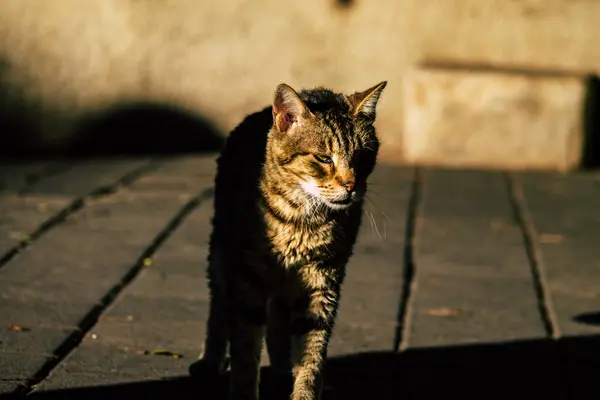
x=563, y=369
x=589, y=318
x=132, y=129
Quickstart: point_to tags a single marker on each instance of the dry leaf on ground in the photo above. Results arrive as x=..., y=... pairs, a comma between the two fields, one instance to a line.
x=444, y=312
x=551, y=238
x=159, y=352
x=18, y=328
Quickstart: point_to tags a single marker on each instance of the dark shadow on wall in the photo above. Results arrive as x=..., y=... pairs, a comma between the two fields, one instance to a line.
x=563, y=369
x=123, y=130
x=143, y=129
x=591, y=124
x=17, y=126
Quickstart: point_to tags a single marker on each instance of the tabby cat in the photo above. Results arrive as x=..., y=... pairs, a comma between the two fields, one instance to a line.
x=288, y=204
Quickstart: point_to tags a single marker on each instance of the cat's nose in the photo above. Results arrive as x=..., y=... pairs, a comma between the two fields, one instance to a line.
x=349, y=186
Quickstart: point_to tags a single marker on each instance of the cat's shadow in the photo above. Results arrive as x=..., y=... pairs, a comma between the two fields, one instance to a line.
x=562, y=369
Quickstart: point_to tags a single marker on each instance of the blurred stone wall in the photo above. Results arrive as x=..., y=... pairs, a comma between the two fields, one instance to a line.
x=61, y=60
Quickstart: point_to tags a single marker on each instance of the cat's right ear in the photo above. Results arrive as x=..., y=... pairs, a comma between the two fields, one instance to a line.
x=364, y=103
x=288, y=108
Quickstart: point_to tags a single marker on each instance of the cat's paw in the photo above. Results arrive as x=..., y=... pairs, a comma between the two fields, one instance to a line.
x=207, y=369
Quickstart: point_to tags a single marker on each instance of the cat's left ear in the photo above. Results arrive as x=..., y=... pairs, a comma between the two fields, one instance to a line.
x=288, y=108
x=364, y=103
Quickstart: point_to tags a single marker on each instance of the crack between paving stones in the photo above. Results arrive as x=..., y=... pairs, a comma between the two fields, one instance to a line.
x=404, y=316
x=523, y=218
x=75, y=206
x=93, y=316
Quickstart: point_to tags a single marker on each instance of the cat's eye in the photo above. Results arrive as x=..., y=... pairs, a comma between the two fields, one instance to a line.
x=323, y=158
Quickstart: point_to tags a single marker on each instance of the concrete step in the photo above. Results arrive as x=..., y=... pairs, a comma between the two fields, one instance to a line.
x=463, y=116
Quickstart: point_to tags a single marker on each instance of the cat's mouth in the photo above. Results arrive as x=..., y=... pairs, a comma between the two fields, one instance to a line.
x=334, y=201
x=343, y=202
x=340, y=204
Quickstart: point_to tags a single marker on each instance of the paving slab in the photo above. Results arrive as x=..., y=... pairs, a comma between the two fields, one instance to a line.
x=28, y=339
x=18, y=366
x=176, y=335
x=14, y=177
x=93, y=380
x=9, y=386
x=94, y=357
x=19, y=309
x=177, y=175
x=101, y=386
x=474, y=282
x=564, y=217
x=86, y=176
x=21, y=216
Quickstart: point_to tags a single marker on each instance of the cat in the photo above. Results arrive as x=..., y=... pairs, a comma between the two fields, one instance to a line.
x=289, y=190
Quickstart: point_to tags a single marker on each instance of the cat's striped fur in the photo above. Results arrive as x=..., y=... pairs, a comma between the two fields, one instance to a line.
x=288, y=205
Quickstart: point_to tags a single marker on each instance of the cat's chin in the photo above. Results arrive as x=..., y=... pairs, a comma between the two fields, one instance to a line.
x=338, y=206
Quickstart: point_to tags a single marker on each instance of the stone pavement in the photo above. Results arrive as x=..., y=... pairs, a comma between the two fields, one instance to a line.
x=464, y=283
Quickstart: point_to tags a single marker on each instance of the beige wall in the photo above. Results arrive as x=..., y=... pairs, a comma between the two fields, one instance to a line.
x=223, y=59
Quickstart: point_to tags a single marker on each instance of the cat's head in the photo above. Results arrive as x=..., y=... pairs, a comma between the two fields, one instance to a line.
x=324, y=144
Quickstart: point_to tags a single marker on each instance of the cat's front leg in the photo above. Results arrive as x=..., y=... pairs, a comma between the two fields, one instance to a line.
x=213, y=361
x=247, y=321
x=278, y=338
x=311, y=331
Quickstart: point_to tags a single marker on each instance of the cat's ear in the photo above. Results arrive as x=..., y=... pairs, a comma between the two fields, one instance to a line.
x=288, y=108
x=364, y=103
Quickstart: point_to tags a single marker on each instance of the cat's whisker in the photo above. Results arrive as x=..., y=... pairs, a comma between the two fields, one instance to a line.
x=374, y=203
x=376, y=227
x=374, y=224
x=384, y=231
x=377, y=193
x=370, y=221
x=387, y=216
